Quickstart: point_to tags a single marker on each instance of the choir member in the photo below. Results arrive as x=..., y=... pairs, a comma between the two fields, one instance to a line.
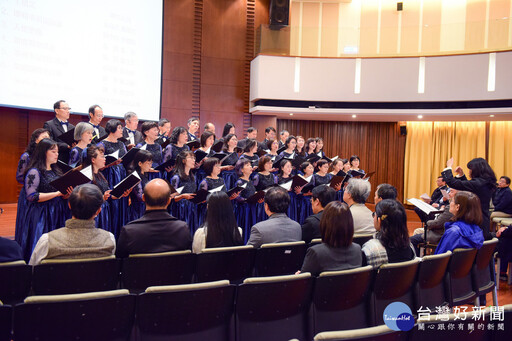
x=285, y=176
x=272, y=147
x=250, y=152
x=84, y=135
x=184, y=178
x=227, y=171
x=229, y=128
x=310, y=146
x=58, y=126
x=207, y=140
x=262, y=180
x=245, y=212
x=252, y=133
x=304, y=199
x=209, y=127
x=149, y=130
x=95, y=117
x=115, y=173
x=283, y=136
x=130, y=132
x=35, y=138
x=193, y=127
x=290, y=144
x=141, y=164
x=46, y=209
x=354, y=163
x=164, y=130
x=319, y=150
x=322, y=177
x=179, y=138
x=300, y=149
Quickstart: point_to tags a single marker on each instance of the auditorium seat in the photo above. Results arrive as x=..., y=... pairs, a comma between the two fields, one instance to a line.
x=458, y=277
x=279, y=258
x=393, y=282
x=273, y=308
x=430, y=290
x=379, y=333
x=200, y=311
x=106, y=315
x=140, y=271
x=341, y=300
x=498, y=267
x=69, y=276
x=5, y=322
x=484, y=273
x=315, y=242
x=15, y=281
x=231, y=263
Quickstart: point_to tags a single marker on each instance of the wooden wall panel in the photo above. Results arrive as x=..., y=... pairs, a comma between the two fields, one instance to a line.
x=380, y=146
x=261, y=123
x=475, y=25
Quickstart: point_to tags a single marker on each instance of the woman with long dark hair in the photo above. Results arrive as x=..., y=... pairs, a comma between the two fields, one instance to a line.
x=229, y=128
x=310, y=146
x=150, y=132
x=463, y=230
x=250, y=152
x=319, y=150
x=46, y=211
x=337, y=251
x=141, y=164
x=220, y=229
x=290, y=144
x=482, y=183
x=391, y=243
x=304, y=199
x=245, y=212
x=206, y=140
x=184, y=180
x=227, y=171
x=179, y=139
x=35, y=138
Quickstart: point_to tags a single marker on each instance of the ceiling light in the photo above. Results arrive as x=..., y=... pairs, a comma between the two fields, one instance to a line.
x=354, y=116
x=420, y=116
x=291, y=114
x=491, y=115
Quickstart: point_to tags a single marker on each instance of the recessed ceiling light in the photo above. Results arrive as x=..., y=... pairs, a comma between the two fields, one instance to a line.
x=420, y=116
x=354, y=116
x=291, y=114
x=491, y=115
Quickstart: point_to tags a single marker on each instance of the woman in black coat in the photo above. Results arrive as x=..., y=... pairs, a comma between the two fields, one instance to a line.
x=482, y=183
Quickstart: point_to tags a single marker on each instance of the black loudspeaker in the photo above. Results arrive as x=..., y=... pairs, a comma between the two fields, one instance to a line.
x=403, y=130
x=279, y=12
x=399, y=6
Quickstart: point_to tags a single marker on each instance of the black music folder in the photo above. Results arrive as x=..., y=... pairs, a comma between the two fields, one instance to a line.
x=72, y=178
x=68, y=137
x=127, y=183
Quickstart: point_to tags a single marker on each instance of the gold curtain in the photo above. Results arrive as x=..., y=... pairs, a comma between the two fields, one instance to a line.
x=430, y=144
x=418, y=159
x=500, y=148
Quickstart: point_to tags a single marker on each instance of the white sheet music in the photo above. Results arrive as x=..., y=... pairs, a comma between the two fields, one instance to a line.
x=287, y=186
x=115, y=154
x=180, y=189
x=87, y=171
x=216, y=189
x=422, y=205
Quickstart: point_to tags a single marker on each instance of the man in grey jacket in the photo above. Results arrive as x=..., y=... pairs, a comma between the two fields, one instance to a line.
x=278, y=228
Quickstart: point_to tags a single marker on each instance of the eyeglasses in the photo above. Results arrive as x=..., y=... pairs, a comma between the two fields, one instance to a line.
x=373, y=214
x=66, y=108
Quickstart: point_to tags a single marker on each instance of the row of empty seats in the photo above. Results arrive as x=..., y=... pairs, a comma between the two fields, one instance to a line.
x=296, y=306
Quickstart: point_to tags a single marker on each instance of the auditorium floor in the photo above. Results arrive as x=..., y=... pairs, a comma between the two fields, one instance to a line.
x=8, y=220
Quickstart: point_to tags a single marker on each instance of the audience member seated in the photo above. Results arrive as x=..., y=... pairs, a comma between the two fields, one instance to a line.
x=321, y=196
x=157, y=230
x=436, y=199
x=502, y=199
x=79, y=238
x=355, y=195
x=435, y=228
x=10, y=251
x=391, y=243
x=337, y=251
x=464, y=231
x=385, y=191
x=278, y=228
x=220, y=229
x=504, y=235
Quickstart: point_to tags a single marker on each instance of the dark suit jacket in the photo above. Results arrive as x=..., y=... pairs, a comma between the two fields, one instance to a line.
x=10, y=251
x=437, y=196
x=55, y=129
x=95, y=138
x=311, y=227
x=156, y=231
x=483, y=188
x=138, y=137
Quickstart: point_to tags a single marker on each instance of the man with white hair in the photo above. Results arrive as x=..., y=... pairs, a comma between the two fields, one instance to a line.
x=355, y=195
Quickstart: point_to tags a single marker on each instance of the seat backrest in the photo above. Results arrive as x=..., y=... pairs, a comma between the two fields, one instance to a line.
x=200, y=311
x=231, y=263
x=458, y=277
x=143, y=270
x=279, y=258
x=388, y=289
x=483, y=272
x=379, y=333
x=5, y=322
x=430, y=287
x=362, y=238
x=15, y=281
x=273, y=308
x=341, y=300
x=90, y=316
x=76, y=276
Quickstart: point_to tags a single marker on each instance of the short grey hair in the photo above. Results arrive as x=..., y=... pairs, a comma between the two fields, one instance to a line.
x=359, y=190
x=80, y=129
x=129, y=115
